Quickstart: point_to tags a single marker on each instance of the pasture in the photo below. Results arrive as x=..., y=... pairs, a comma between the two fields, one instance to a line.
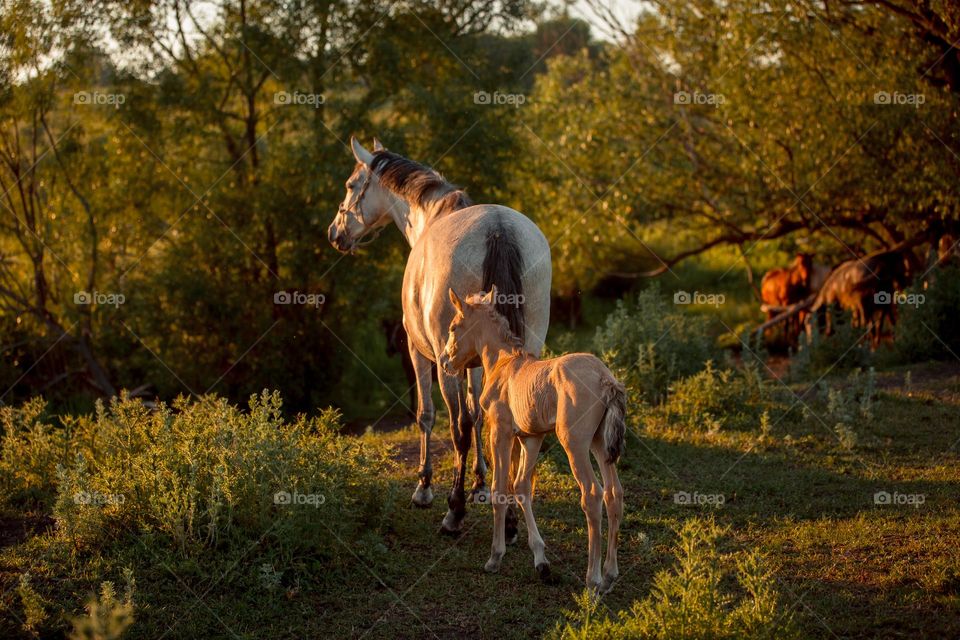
x=287, y=287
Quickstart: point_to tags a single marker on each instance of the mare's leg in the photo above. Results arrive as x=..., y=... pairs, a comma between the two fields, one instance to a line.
x=530, y=448
x=423, y=495
x=501, y=442
x=591, y=498
x=613, y=501
x=461, y=432
x=480, y=492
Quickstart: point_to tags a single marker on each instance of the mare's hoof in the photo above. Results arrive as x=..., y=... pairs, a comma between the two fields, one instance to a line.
x=543, y=570
x=452, y=525
x=492, y=566
x=422, y=497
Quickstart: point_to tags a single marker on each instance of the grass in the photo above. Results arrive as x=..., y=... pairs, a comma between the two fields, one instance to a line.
x=844, y=566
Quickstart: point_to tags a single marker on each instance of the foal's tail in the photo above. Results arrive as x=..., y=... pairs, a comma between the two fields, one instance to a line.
x=613, y=425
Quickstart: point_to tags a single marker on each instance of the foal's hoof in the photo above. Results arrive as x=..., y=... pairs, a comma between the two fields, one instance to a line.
x=422, y=497
x=451, y=525
x=480, y=495
x=543, y=570
x=607, y=585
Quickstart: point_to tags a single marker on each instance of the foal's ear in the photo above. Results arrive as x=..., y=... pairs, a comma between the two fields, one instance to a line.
x=363, y=156
x=455, y=301
x=378, y=146
x=490, y=295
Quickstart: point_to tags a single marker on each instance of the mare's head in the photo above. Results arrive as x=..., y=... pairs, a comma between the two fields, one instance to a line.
x=366, y=205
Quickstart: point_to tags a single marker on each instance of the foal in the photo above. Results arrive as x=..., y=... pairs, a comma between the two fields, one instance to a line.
x=524, y=399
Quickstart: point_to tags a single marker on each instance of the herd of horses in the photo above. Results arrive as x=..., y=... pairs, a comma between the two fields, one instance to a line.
x=806, y=295
x=499, y=261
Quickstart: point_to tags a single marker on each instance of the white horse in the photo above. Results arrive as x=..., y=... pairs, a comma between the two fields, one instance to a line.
x=453, y=245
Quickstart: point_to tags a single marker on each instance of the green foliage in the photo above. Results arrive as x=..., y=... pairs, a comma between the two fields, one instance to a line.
x=848, y=347
x=34, y=606
x=650, y=343
x=107, y=616
x=714, y=399
x=930, y=331
x=30, y=450
x=708, y=594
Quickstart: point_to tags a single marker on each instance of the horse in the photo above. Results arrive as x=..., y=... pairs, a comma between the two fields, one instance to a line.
x=782, y=287
x=453, y=244
x=525, y=398
x=866, y=287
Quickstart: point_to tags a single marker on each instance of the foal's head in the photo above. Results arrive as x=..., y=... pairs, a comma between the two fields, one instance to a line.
x=366, y=205
x=477, y=324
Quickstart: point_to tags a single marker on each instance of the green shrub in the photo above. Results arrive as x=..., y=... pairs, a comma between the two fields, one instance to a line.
x=650, y=343
x=30, y=450
x=107, y=616
x=929, y=330
x=712, y=398
x=848, y=347
x=708, y=594
x=197, y=475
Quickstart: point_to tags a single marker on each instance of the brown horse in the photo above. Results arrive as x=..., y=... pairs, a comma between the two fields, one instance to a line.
x=866, y=287
x=782, y=287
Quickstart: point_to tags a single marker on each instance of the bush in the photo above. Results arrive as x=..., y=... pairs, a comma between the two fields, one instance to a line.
x=847, y=348
x=712, y=398
x=650, y=343
x=708, y=594
x=930, y=331
x=198, y=475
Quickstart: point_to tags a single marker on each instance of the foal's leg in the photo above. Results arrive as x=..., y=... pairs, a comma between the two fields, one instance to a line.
x=480, y=492
x=524, y=491
x=501, y=441
x=461, y=431
x=591, y=498
x=423, y=495
x=613, y=501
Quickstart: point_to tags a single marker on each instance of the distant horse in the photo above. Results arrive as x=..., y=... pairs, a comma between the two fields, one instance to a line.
x=867, y=288
x=453, y=244
x=782, y=287
x=524, y=399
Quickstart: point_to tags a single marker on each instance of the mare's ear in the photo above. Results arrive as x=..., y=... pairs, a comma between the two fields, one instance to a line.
x=455, y=301
x=490, y=295
x=363, y=156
